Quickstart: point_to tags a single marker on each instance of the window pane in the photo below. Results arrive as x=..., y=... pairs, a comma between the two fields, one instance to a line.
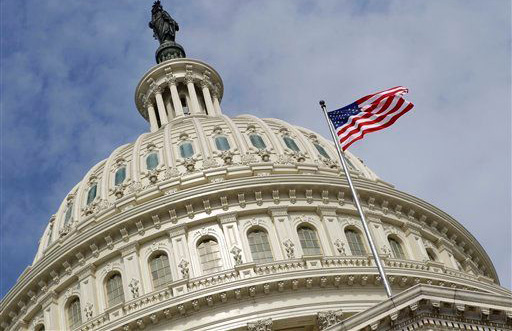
x=186, y=150
x=67, y=217
x=322, y=151
x=74, y=314
x=209, y=256
x=115, y=292
x=152, y=161
x=120, y=176
x=290, y=143
x=222, y=143
x=160, y=271
x=396, y=248
x=309, y=241
x=92, y=193
x=260, y=246
x=257, y=141
x=355, y=243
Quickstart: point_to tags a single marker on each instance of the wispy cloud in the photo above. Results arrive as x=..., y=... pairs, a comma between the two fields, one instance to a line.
x=69, y=74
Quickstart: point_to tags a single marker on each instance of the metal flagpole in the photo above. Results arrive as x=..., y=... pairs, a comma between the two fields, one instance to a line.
x=358, y=205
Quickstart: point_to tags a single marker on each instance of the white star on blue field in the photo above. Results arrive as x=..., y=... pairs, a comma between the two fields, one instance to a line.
x=340, y=117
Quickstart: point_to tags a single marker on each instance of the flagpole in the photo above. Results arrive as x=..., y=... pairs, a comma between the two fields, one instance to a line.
x=358, y=205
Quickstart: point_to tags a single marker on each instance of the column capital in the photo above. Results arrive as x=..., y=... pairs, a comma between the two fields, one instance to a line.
x=326, y=211
x=170, y=79
x=177, y=231
x=278, y=211
x=129, y=249
x=189, y=78
x=227, y=218
x=89, y=270
x=148, y=103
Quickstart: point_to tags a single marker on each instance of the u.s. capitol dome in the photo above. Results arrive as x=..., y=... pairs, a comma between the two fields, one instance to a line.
x=215, y=223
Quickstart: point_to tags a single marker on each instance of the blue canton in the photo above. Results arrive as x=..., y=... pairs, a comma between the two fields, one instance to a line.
x=339, y=117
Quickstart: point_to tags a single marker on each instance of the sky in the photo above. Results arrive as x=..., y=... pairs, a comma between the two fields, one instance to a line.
x=69, y=71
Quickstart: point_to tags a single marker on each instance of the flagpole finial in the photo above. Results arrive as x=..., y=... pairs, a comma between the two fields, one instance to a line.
x=322, y=103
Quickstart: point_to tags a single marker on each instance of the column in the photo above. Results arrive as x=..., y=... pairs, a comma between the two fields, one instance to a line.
x=181, y=260
x=331, y=226
x=192, y=94
x=285, y=232
x=133, y=283
x=51, y=312
x=161, y=107
x=379, y=236
x=415, y=243
x=207, y=98
x=153, y=124
x=216, y=103
x=176, y=102
x=88, y=302
x=232, y=235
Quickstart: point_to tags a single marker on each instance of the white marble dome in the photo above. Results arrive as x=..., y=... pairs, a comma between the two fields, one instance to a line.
x=216, y=223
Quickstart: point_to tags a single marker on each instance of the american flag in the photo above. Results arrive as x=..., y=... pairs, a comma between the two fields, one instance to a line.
x=368, y=114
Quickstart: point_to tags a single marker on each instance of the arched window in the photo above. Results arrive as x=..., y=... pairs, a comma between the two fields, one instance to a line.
x=309, y=241
x=396, y=248
x=67, y=216
x=186, y=150
x=260, y=247
x=322, y=151
x=115, y=293
x=152, y=161
x=160, y=270
x=355, y=243
x=431, y=255
x=290, y=143
x=209, y=255
x=91, y=195
x=74, y=313
x=222, y=143
x=120, y=176
x=257, y=141
x=39, y=327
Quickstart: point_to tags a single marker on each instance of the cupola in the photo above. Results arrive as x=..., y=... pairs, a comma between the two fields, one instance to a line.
x=176, y=86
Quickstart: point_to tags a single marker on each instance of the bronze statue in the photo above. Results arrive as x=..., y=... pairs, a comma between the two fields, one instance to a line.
x=164, y=27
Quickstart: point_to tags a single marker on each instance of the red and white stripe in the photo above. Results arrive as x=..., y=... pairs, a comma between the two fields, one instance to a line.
x=378, y=111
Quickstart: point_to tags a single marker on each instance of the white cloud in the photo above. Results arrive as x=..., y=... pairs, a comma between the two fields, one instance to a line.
x=70, y=73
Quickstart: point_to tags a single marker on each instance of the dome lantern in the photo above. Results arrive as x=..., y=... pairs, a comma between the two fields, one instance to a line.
x=176, y=86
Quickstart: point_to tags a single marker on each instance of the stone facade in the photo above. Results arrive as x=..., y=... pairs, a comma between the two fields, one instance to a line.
x=191, y=202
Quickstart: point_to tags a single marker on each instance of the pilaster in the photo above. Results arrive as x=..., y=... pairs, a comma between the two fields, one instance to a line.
x=181, y=254
x=329, y=220
x=288, y=238
x=133, y=282
x=51, y=312
x=88, y=298
x=229, y=226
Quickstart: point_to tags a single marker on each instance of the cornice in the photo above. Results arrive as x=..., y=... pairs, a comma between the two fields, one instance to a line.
x=153, y=207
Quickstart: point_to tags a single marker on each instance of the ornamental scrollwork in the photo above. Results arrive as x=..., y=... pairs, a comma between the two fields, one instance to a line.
x=134, y=288
x=329, y=318
x=289, y=248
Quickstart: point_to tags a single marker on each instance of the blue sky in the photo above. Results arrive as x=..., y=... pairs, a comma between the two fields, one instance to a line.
x=69, y=70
